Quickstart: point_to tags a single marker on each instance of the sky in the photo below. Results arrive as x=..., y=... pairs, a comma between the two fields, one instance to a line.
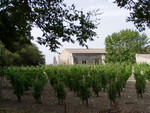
x=112, y=19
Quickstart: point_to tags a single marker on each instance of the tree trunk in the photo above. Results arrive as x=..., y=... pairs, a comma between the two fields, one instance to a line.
x=97, y=95
x=65, y=107
x=87, y=103
x=19, y=98
x=119, y=94
x=1, y=85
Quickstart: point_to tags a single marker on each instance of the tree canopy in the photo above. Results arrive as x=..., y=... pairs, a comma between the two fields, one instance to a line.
x=7, y=58
x=57, y=21
x=27, y=55
x=30, y=55
x=139, y=12
x=122, y=46
x=53, y=17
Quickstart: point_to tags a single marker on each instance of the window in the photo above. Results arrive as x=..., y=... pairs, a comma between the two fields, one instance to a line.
x=84, y=62
x=97, y=61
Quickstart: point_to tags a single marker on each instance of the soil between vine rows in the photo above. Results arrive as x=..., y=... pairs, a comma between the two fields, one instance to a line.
x=128, y=101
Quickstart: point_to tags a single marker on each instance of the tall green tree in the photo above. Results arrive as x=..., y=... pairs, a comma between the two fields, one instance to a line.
x=139, y=12
x=7, y=58
x=30, y=55
x=55, y=19
x=11, y=35
x=122, y=46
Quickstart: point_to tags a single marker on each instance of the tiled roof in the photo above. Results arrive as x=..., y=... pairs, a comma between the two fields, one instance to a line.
x=86, y=50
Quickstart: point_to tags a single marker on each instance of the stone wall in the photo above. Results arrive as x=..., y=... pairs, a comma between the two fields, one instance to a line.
x=87, y=58
x=143, y=58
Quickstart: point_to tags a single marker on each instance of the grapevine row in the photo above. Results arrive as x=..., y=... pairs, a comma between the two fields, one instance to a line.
x=83, y=80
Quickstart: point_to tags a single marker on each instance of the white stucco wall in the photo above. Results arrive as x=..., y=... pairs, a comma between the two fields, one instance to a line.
x=143, y=58
x=64, y=57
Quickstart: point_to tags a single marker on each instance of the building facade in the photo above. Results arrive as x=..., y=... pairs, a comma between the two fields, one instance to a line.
x=82, y=56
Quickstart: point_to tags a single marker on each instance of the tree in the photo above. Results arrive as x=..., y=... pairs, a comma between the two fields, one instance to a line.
x=53, y=17
x=140, y=12
x=122, y=46
x=7, y=58
x=10, y=33
x=30, y=55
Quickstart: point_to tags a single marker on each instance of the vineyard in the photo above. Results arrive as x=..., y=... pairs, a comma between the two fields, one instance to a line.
x=86, y=83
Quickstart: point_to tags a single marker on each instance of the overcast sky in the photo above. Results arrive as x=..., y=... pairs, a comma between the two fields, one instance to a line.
x=112, y=20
